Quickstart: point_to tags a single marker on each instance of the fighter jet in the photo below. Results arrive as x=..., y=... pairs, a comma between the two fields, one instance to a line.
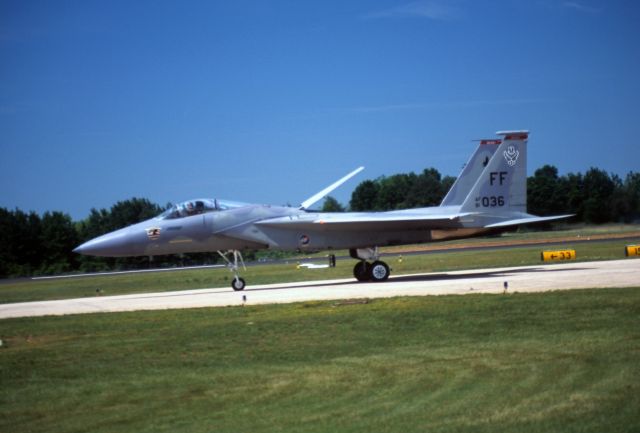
x=490, y=195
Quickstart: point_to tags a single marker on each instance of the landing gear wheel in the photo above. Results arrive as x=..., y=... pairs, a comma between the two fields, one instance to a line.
x=361, y=271
x=237, y=284
x=378, y=271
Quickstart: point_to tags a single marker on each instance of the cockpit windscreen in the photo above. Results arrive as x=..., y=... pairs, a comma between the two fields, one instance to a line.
x=196, y=207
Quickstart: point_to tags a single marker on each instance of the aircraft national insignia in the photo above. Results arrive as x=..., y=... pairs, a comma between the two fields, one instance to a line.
x=511, y=155
x=153, y=233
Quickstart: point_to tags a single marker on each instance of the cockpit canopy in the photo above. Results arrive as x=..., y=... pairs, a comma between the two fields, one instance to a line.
x=198, y=206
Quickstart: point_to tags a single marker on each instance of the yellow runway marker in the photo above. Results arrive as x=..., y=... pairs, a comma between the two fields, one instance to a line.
x=632, y=250
x=559, y=255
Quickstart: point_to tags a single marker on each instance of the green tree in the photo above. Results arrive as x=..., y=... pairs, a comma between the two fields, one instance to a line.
x=7, y=242
x=332, y=205
x=394, y=191
x=20, y=252
x=401, y=191
x=57, y=240
x=425, y=190
x=620, y=204
x=96, y=224
x=446, y=184
x=598, y=193
x=572, y=187
x=134, y=210
x=364, y=196
x=631, y=187
x=544, y=193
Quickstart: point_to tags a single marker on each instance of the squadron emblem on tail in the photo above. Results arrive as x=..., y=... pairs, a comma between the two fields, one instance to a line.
x=511, y=155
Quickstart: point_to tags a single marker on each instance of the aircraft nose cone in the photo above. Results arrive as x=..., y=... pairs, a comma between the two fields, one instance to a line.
x=114, y=244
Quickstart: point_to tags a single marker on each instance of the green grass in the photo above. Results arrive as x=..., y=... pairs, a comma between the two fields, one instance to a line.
x=558, y=361
x=196, y=279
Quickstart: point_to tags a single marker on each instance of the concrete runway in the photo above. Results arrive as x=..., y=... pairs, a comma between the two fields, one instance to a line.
x=565, y=276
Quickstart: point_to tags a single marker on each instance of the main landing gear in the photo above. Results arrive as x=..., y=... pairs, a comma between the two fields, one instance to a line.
x=365, y=271
x=237, y=283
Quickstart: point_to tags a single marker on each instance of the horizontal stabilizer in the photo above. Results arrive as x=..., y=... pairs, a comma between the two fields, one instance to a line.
x=528, y=220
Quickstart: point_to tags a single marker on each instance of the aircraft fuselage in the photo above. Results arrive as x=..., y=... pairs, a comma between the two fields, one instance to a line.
x=240, y=229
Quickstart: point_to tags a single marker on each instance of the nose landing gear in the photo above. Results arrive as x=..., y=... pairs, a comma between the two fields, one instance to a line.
x=237, y=283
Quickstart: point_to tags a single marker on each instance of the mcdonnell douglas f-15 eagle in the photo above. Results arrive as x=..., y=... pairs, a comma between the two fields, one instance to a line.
x=489, y=195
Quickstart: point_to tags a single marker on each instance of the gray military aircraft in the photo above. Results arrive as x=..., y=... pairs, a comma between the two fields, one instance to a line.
x=490, y=195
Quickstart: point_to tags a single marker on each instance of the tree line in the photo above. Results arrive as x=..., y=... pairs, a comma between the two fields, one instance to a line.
x=43, y=245
x=33, y=244
x=595, y=197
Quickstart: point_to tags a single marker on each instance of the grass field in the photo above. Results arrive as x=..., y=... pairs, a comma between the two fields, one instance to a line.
x=551, y=362
x=206, y=278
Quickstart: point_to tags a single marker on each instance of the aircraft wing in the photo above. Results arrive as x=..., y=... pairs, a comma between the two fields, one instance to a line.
x=401, y=220
x=364, y=221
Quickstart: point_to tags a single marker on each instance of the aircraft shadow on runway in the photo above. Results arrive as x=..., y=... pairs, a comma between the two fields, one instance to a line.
x=427, y=277
x=477, y=275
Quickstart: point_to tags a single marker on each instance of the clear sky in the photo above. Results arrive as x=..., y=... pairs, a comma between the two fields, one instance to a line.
x=270, y=101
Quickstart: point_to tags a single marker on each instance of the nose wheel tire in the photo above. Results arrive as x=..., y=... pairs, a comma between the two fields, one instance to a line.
x=378, y=271
x=237, y=284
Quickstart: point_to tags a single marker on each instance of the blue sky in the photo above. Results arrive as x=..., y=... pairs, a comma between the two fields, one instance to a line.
x=270, y=101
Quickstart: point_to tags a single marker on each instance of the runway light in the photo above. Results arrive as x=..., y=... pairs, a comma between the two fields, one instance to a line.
x=560, y=255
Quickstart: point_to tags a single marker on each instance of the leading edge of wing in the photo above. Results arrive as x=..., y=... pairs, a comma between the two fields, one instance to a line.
x=362, y=221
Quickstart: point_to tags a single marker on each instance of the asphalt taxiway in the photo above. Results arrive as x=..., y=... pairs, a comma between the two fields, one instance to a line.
x=565, y=276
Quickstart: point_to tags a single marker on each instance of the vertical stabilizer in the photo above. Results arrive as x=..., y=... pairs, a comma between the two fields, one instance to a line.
x=502, y=186
x=471, y=172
